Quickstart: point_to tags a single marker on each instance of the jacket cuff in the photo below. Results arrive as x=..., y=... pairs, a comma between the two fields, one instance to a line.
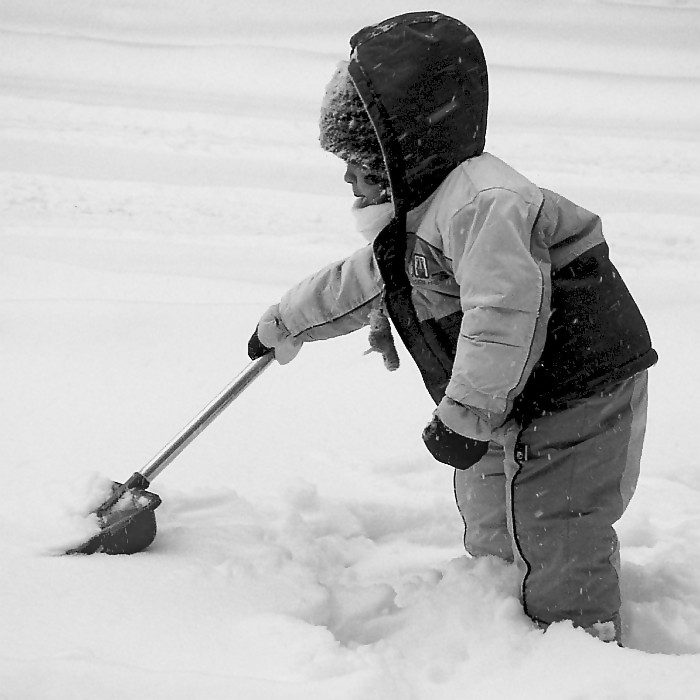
x=463, y=420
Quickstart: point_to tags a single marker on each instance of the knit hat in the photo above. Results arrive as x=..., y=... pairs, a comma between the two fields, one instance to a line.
x=346, y=129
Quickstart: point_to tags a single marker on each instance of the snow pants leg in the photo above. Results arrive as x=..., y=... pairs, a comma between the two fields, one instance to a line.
x=481, y=494
x=564, y=479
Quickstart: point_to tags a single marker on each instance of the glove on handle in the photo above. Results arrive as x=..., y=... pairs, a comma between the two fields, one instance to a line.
x=450, y=447
x=272, y=335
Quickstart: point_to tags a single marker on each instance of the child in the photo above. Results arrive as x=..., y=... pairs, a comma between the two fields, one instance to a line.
x=504, y=295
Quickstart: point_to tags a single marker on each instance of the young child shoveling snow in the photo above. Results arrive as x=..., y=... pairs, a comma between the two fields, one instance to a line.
x=504, y=295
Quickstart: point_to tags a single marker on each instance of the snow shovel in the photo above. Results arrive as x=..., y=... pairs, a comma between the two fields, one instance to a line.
x=127, y=518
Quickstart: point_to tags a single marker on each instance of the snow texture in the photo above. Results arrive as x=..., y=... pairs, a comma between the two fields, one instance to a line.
x=161, y=185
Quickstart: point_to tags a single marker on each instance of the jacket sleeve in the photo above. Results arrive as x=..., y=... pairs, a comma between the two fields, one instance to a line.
x=334, y=301
x=503, y=274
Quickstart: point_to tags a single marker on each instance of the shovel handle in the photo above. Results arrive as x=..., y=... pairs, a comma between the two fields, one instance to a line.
x=205, y=417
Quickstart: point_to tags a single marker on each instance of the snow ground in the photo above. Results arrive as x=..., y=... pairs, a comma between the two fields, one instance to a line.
x=160, y=186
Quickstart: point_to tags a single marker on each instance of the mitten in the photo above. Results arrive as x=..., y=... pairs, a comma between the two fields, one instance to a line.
x=450, y=447
x=272, y=334
x=381, y=339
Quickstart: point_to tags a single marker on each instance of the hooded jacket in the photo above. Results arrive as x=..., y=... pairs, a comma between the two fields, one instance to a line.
x=502, y=292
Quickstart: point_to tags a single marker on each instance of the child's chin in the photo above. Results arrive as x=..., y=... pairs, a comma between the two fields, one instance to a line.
x=360, y=203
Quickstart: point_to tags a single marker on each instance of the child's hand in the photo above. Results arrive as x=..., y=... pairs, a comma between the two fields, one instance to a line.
x=272, y=334
x=450, y=447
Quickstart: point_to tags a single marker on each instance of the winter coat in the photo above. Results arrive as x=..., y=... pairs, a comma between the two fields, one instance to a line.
x=502, y=292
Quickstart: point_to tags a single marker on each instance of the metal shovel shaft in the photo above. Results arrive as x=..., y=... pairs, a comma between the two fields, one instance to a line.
x=127, y=519
x=205, y=417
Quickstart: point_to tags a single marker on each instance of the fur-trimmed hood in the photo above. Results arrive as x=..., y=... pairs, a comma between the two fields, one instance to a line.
x=422, y=78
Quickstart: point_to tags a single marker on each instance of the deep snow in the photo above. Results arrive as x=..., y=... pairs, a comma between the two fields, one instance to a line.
x=161, y=185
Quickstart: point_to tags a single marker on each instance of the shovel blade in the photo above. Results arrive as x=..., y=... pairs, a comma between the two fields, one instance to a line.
x=127, y=526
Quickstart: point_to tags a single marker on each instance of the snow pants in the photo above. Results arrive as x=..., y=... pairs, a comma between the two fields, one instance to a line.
x=547, y=494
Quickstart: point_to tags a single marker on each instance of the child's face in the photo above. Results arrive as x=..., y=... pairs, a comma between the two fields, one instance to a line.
x=364, y=186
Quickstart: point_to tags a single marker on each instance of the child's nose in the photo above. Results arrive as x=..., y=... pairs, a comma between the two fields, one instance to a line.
x=349, y=176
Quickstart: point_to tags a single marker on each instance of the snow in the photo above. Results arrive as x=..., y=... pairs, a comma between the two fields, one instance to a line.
x=160, y=186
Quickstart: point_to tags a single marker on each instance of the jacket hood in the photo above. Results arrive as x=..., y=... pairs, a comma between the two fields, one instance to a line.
x=422, y=78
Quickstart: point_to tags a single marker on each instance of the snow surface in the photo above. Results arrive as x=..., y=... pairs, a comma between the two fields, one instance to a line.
x=161, y=185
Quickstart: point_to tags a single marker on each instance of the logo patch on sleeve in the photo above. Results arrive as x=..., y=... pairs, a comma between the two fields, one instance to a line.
x=420, y=267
